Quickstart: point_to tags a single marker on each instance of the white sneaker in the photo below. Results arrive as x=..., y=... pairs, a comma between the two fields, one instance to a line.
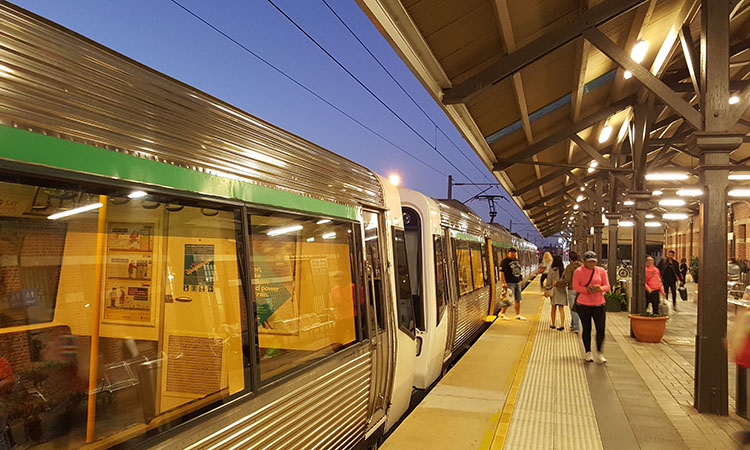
x=520, y=317
x=504, y=317
x=588, y=357
x=600, y=358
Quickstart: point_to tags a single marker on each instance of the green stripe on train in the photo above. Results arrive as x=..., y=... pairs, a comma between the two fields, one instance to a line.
x=34, y=148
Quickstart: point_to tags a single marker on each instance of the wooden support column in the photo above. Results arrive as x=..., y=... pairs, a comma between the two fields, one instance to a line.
x=713, y=145
x=614, y=222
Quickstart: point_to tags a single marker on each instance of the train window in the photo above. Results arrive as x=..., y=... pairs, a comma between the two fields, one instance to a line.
x=403, y=285
x=463, y=267
x=476, y=266
x=152, y=283
x=413, y=234
x=304, y=292
x=441, y=277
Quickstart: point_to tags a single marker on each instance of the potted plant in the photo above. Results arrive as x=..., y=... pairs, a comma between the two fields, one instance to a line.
x=616, y=299
x=694, y=268
x=648, y=327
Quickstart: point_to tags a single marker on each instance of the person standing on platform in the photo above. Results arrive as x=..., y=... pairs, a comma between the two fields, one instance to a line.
x=544, y=268
x=558, y=295
x=653, y=285
x=591, y=282
x=567, y=282
x=683, y=270
x=670, y=275
x=511, y=275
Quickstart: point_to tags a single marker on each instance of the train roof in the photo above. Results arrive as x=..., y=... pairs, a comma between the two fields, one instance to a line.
x=459, y=217
x=64, y=85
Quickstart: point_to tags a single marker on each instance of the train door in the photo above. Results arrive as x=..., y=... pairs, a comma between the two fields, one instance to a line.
x=375, y=279
x=452, y=297
x=201, y=323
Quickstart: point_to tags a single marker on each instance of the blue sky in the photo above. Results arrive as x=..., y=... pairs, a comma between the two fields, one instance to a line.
x=159, y=34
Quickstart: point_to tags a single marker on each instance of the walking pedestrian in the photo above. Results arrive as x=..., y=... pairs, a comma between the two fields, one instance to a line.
x=557, y=294
x=567, y=282
x=670, y=275
x=653, y=285
x=590, y=282
x=511, y=274
x=544, y=268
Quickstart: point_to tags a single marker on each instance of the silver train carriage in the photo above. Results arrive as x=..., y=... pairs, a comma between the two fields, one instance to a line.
x=177, y=273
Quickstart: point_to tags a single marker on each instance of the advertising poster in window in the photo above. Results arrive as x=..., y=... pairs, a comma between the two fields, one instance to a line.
x=129, y=272
x=273, y=282
x=199, y=268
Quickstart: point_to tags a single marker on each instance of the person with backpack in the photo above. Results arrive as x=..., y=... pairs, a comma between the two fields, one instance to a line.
x=567, y=282
x=511, y=274
x=591, y=282
x=557, y=295
x=670, y=275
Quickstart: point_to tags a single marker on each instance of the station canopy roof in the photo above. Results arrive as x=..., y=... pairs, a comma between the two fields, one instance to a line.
x=535, y=99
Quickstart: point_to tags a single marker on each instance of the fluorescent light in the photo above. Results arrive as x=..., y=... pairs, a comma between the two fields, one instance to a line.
x=627, y=75
x=667, y=176
x=330, y=235
x=739, y=193
x=323, y=221
x=739, y=176
x=312, y=239
x=583, y=188
x=284, y=230
x=593, y=163
x=733, y=100
x=628, y=203
x=74, y=211
x=625, y=223
x=605, y=134
x=674, y=216
x=137, y=194
x=653, y=224
x=672, y=202
x=689, y=192
x=579, y=198
x=657, y=193
x=371, y=238
x=575, y=207
x=394, y=179
x=639, y=51
x=649, y=216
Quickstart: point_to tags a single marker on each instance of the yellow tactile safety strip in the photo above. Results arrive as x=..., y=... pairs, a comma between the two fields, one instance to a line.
x=495, y=437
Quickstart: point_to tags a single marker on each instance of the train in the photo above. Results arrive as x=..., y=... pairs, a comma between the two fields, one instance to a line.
x=177, y=273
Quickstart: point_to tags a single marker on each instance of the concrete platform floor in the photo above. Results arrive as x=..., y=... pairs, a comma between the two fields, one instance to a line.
x=523, y=385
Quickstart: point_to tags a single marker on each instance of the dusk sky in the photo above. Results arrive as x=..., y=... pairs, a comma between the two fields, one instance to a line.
x=159, y=34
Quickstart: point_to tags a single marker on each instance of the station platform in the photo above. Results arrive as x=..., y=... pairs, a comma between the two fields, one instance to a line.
x=523, y=385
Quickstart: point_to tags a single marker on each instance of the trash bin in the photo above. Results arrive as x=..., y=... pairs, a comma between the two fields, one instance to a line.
x=743, y=400
x=148, y=372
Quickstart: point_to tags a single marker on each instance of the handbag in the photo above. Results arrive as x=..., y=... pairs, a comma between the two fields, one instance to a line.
x=575, y=303
x=507, y=298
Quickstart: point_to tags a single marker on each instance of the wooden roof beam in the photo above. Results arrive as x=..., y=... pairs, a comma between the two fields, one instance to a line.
x=652, y=83
x=565, y=133
x=558, y=34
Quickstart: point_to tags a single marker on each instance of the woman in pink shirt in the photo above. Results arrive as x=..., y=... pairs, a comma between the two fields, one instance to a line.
x=653, y=285
x=590, y=282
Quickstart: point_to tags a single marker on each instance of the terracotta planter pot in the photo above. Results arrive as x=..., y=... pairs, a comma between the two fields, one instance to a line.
x=648, y=329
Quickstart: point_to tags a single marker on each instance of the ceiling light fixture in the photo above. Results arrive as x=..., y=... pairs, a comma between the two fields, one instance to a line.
x=649, y=216
x=137, y=194
x=667, y=176
x=75, y=211
x=627, y=74
x=674, y=216
x=653, y=224
x=739, y=176
x=657, y=193
x=672, y=202
x=639, y=51
x=626, y=223
x=733, y=100
x=575, y=207
x=689, y=192
x=605, y=134
x=628, y=203
x=579, y=198
x=739, y=193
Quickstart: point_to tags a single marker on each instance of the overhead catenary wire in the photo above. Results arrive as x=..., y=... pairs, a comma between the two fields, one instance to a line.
x=301, y=85
x=364, y=86
x=403, y=89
